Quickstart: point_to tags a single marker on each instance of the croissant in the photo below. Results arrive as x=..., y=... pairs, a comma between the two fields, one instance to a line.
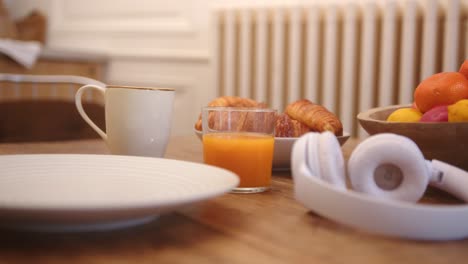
x=230, y=101
x=316, y=117
x=287, y=127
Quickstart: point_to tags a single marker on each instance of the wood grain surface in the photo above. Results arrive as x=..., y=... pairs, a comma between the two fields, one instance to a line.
x=269, y=227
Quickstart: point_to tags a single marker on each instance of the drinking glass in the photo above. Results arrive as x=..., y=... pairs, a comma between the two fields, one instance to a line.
x=241, y=140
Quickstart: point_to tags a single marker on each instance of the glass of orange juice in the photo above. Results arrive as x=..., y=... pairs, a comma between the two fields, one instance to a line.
x=241, y=140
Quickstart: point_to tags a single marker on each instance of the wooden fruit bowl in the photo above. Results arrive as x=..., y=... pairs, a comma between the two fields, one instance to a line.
x=443, y=141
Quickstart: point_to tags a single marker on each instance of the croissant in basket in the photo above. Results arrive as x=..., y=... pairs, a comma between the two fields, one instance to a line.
x=300, y=117
x=287, y=127
x=314, y=116
x=229, y=101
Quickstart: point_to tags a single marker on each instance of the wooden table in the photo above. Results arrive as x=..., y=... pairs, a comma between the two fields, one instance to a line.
x=269, y=227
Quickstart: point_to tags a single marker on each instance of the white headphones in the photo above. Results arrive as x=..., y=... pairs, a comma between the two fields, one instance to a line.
x=387, y=172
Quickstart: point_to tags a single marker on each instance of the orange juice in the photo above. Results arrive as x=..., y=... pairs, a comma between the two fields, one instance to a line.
x=249, y=155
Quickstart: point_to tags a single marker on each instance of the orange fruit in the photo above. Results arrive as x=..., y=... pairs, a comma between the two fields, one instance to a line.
x=443, y=88
x=464, y=69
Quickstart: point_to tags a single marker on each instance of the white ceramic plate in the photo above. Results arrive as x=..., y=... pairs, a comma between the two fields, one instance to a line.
x=283, y=147
x=100, y=192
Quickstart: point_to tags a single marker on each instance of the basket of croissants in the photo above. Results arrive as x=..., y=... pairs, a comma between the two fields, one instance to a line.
x=298, y=118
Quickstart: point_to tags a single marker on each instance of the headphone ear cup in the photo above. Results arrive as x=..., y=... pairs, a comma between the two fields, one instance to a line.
x=312, y=157
x=331, y=160
x=389, y=159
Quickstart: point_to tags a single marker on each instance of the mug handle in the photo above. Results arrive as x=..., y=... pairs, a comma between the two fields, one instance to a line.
x=79, y=106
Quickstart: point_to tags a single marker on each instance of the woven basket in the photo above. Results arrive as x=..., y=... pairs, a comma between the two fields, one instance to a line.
x=7, y=26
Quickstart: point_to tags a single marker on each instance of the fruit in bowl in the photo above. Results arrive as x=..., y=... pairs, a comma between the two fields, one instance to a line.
x=437, y=121
x=436, y=114
x=442, y=97
x=299, y=117
x=405, y=115
x=458, y=112
x=444, y=88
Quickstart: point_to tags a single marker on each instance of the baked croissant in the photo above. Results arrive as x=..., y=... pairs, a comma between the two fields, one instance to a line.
x=316, y=117
x=287, y=127
x=229, y=101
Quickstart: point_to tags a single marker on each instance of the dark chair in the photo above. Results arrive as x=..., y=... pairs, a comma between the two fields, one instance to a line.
x=42, y=108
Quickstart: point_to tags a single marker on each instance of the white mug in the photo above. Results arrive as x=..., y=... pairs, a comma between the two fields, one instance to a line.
x=138, y=119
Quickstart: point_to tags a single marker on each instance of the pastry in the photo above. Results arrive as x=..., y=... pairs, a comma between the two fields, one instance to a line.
x=315, y=116
x=287, y=127
x=230, y=101
x=299, y=117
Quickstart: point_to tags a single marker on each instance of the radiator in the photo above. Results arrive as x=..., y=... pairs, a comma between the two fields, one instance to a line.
x=348, y=57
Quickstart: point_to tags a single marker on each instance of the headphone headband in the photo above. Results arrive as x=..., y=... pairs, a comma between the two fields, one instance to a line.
x=383, y=216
